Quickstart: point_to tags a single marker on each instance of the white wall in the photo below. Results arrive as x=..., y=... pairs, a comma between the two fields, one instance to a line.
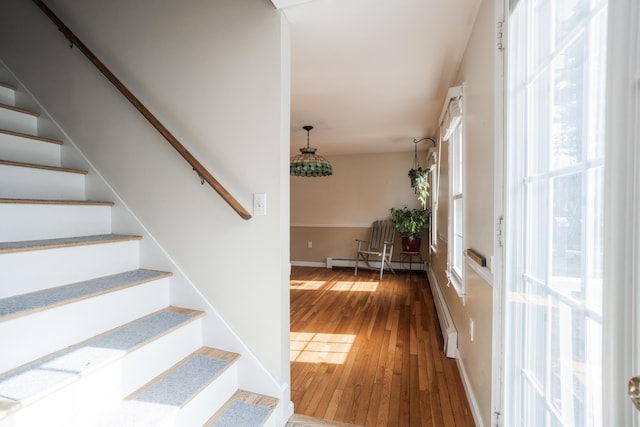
x=216, y=73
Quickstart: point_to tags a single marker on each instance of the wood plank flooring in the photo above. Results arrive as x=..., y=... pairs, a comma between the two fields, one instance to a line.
x=369, y=352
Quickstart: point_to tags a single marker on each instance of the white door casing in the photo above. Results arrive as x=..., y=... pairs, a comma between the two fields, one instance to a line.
x=621, y=334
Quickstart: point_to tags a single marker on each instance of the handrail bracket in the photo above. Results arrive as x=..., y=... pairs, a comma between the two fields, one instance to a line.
x=199, y=175
x=66, y=36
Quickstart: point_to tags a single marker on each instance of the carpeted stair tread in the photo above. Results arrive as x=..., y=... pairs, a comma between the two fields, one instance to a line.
x=20, y=305
x=180, y=385
x=244, y=409
x=32, y=245
x=170, y=391
x=27, y=383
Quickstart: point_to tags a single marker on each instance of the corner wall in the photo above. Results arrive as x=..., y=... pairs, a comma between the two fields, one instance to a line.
x=213, y=73
x=475, y=357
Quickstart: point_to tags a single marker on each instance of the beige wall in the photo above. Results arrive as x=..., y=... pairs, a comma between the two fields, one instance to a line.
x=335, y=242
x=332, y=212
x=216, y=73
x=477, y=74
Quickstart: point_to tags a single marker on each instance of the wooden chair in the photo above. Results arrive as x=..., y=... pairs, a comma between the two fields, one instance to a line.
x=380, y=245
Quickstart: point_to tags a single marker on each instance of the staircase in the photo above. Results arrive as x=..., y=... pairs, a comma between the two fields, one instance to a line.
x=87, y=336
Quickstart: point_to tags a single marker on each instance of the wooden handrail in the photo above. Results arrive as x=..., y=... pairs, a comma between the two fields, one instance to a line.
x=202, y=172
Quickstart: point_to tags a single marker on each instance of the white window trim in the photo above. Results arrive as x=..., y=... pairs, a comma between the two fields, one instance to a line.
x=455, y=278
x=434, y=171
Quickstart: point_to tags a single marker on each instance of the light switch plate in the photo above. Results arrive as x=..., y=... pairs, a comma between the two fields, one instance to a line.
x=260, y=204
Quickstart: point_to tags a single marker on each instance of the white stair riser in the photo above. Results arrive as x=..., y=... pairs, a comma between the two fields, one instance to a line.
x=30, y=183
x=136, y=370
x=43, y=416
x=271, y=421
x=209, y=400
x=7, y=96
x=49, y=221
x=30, y=271
x=62, y=326
x=82, y=401
x=18, y=122
x=26, y=150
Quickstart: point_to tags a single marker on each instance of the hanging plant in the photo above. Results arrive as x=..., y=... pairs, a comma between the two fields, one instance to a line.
x=420, y=184
x=420, y=177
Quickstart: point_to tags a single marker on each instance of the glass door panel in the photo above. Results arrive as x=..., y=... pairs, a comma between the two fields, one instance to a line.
x=553, y=348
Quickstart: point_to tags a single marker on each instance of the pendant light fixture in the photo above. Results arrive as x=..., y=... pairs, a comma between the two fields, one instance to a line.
x=308, y=163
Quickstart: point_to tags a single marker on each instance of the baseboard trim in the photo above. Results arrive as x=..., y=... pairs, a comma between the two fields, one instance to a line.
x=309, y=264
x=475, y=410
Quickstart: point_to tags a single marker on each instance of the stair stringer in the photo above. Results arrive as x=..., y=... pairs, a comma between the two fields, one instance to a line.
x=253, y=376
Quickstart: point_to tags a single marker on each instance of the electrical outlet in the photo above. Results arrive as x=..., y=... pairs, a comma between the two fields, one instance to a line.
x=309, y=244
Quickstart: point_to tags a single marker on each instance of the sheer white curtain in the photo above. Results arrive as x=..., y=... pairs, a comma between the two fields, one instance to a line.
x=452, y=117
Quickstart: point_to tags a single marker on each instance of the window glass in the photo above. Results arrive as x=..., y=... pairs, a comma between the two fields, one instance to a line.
x=554, y=252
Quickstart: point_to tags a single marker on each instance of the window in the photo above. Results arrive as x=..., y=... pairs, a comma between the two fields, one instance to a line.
x=451, y=129
x=557, y=70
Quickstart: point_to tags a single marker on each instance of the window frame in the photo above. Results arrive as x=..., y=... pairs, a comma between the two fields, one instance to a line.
x=433, y=171
x=455, y=247
x=456, y=208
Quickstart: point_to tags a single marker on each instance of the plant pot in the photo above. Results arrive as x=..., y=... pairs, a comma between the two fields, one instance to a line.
x=411, y=244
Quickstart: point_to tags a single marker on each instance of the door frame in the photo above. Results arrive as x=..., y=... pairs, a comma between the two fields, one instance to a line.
x=621, y=347
x=621, y=291
x=499, y=204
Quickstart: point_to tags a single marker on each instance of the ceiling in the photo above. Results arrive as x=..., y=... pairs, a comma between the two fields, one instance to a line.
x=372, y=75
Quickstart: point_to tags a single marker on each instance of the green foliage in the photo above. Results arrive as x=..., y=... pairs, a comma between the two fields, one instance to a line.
x=420, y=184
x=409, y=222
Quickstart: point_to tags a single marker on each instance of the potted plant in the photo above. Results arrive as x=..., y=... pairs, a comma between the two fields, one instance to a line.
x=409, y=223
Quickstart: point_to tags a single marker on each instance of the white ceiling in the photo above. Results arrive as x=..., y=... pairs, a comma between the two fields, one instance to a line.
x=372, y=75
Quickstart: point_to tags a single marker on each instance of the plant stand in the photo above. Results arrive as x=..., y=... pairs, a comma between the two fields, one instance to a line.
x=406, y=257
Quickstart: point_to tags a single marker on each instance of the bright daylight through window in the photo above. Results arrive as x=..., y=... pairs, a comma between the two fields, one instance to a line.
x=556, y=73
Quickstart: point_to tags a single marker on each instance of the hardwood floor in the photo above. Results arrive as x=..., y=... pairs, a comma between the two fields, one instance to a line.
x=369, y=352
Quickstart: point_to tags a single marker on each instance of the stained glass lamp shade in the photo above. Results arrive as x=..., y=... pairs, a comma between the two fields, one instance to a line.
x=308, y=163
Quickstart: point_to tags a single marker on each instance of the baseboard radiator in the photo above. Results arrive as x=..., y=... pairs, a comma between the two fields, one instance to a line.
x=397, y=265
x=448, y=328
